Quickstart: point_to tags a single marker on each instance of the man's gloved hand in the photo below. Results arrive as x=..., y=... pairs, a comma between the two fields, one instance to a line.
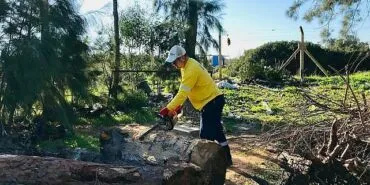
x=166, y=112
x=175, y=112
x=178, y=109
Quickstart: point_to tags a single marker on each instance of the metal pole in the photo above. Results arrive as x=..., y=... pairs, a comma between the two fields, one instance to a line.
x=302, y=48
x=220, y=63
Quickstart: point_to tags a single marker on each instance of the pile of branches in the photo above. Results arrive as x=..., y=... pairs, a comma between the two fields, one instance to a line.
x=336, y=151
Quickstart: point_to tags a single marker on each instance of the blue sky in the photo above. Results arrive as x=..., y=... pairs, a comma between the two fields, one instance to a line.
x=251, y=23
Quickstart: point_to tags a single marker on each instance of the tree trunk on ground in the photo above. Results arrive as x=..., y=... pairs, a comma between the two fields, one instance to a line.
x=162, y=158
x=38, y=170
x=174, y=158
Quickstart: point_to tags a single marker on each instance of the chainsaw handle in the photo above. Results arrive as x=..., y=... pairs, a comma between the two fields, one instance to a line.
x=178, y=109
x=161, y=117
x=168, y=121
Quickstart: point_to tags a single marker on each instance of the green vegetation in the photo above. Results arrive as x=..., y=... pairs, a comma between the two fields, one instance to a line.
x=42, y=58
x=248, y=104
x=288, y=106
x=106, y=120
x=264, y=61
x=77, y=141
x=360, y=81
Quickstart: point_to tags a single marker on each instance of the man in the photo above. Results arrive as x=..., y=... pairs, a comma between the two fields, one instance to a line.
x=199, y=87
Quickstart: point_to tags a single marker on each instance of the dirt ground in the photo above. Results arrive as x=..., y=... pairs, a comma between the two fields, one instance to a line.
x=253, y=163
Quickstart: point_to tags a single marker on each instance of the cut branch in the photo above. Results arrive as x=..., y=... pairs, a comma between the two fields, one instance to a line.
x=333, y=137
x=353, y=94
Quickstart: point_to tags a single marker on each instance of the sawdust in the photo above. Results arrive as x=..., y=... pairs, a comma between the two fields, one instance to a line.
x=157, y=147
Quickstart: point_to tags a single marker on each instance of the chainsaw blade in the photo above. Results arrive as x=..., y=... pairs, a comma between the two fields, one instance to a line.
x=165, y=123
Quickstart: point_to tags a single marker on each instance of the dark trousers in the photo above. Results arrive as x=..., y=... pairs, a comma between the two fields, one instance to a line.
x=210, y=121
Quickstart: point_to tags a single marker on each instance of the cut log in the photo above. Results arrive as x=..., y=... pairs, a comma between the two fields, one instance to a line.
x=183, y=174
x=16, y=169
x=210, y=157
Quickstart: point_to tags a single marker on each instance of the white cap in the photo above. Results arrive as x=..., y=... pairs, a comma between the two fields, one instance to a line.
x=175, y=52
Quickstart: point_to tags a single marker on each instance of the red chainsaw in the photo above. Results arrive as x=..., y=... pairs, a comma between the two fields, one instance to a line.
x=164, y=123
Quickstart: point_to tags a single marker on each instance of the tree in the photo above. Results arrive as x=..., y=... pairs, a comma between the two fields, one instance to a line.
x=200, y=16
x=326, y=12
x=3, y=12
x=349, y=44
x=44, y=16
x=117, y=59
x=164, y=35
x=42, y=59
x=3, y=8
x=135, y=28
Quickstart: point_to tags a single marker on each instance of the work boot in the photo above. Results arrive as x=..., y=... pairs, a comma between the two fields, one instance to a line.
x=229, y=161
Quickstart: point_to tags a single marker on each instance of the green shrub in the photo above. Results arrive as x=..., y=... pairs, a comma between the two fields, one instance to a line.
x=276, y=53
x=171, y=86
x=133, y=100
x=259, y=70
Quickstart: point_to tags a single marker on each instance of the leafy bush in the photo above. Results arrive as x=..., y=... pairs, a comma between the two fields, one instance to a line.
x=136, y=62
x=171, y=86
x=276, y=53
x=133, y=100
x=259, y=70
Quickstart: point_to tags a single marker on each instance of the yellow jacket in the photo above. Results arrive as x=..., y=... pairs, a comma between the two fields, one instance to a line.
x=196, y=84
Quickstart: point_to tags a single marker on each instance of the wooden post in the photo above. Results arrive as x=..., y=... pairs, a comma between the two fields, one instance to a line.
x=317, y=63
x=220, y=63
x=290, y=59
x=302, y=48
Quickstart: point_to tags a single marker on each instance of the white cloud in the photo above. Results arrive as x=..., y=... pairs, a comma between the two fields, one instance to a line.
x=91, y=5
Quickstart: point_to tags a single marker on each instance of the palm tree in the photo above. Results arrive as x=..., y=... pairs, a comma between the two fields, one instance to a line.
x=201, y=16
